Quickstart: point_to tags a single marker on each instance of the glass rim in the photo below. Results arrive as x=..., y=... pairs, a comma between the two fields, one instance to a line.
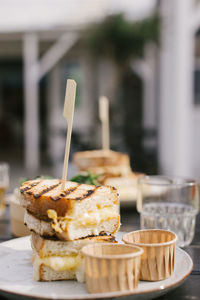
x=175, y=181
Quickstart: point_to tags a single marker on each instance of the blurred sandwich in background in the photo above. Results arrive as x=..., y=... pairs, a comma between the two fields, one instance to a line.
x=113, y=169
x=106, y=162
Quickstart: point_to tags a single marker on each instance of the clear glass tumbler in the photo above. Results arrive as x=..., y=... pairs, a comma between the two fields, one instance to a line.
x=4, y=183
x=169, y=203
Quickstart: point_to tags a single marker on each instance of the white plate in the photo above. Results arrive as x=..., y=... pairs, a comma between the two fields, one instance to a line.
x=16, y=277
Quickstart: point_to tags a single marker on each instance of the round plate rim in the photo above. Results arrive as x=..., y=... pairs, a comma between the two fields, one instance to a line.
x=101, y=295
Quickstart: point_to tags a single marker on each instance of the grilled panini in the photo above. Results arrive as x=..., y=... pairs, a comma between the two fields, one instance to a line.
x=61, y=260
x=127, y=186
x=103, y=162
x=76, y=211
x=113, y=169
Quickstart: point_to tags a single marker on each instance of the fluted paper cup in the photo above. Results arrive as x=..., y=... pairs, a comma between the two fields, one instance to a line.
x=157, y=261
x=111, y=267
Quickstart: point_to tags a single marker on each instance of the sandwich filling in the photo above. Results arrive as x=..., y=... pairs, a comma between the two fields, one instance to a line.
x=59, y=263
x=71, y=264
x=90, y=218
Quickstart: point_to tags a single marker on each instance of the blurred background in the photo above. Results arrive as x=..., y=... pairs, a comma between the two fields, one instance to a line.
x=143, y=55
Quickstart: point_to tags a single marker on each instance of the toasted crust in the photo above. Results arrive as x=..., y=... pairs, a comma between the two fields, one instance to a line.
x=44, y=229
x=121, y=181
x=48, y=247
x=41, y=227
x=38, y=196
x=45, y=273
x=126, y=185
x=99, y=158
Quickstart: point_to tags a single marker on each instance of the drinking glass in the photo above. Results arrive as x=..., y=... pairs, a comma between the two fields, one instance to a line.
x=169, y=203
x=4, y=183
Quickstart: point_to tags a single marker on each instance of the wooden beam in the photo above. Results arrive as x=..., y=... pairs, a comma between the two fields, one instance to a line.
x=56, y=52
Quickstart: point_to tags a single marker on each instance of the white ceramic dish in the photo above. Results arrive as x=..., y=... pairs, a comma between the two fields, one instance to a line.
x=16, y=277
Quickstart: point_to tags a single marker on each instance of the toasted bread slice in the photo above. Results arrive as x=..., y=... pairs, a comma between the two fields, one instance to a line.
x=95, y=158
x=41, y=227
x=73, y=230
x=77, y=211
x=38, y=196
x=102, y=161
x=42, y=272
x=127, y=186
x=49, y=247
x=57, y=260
x=121, y=170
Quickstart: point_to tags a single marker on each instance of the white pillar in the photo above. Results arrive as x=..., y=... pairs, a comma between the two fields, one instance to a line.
x=84, y=117
x=146, y=70
x=175, y=127
x=31, y=111
x=149, y=81
x=107, y=78
x=55, y=119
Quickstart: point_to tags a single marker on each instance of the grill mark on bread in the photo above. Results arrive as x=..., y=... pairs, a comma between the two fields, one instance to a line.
x=108, y=237
x=50, y=188
x=70, y=190
x=64, y=206
x=102, y=236
x=29, y=187
x=89, y=192
x=64, y=193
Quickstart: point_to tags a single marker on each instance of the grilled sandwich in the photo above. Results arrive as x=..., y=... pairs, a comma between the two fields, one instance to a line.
x=127, y=186
x=77, y=211
x=113, y=169
x=103, y=162
x=61, y=260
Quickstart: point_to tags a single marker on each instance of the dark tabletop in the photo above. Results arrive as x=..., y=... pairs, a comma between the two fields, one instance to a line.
x=189, y=290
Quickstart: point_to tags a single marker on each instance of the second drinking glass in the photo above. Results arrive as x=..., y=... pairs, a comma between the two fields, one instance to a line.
x=169, y=203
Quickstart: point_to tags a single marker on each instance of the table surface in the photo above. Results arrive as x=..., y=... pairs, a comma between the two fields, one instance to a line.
x=190, y=289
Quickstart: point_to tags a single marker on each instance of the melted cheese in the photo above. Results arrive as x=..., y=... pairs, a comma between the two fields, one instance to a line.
x=96, y=217
x=52, y=214
x=91, y=218
x=59, y=263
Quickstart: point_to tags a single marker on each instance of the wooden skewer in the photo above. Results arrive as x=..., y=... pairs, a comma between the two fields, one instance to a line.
x=68, y=114
x=104, y=117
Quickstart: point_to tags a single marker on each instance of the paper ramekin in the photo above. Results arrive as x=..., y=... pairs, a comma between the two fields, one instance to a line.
x=111, y=267
x=157, y=261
